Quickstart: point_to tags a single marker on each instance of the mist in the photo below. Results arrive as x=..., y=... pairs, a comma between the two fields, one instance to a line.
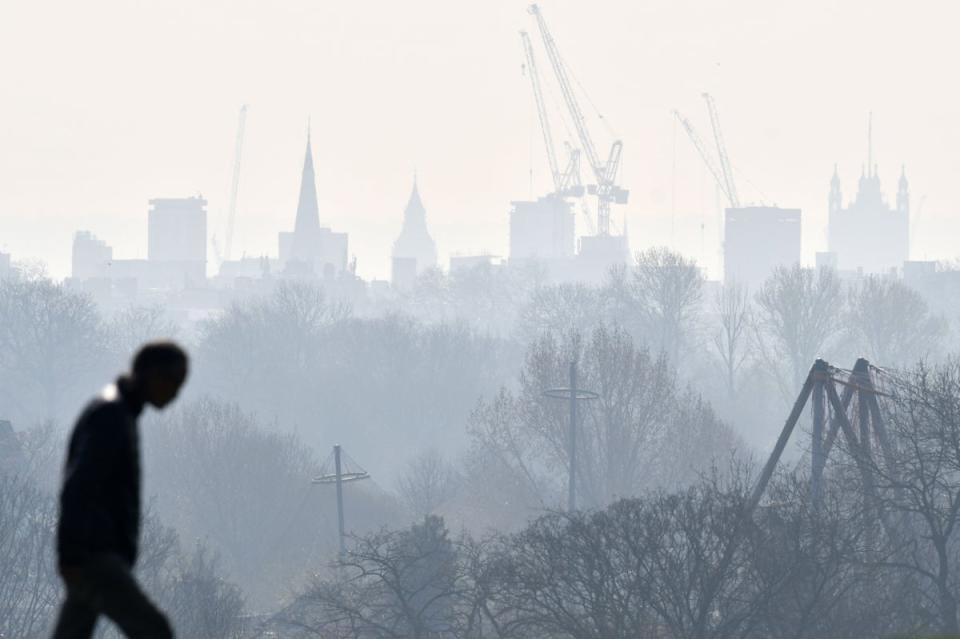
x=503, y=320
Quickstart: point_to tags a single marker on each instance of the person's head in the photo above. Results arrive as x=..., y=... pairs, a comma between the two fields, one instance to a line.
x=158, y=371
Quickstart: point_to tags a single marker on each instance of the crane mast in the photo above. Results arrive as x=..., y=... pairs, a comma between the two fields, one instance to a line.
x=726, y=171
x=566, y=183
x=541, y=109
x=605, y=173
x=704, y=155
x=235, y=182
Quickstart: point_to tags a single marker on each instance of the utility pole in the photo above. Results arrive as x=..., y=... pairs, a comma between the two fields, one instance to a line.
x=339, y=474
x=336, y=455
x=574, y=395
x=572, y=483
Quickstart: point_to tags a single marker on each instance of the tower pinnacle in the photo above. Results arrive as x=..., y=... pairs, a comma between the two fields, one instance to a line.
x=414, y=240
x=306, y=230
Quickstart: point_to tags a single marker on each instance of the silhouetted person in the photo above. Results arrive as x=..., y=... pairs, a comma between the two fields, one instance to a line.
x=99, y=525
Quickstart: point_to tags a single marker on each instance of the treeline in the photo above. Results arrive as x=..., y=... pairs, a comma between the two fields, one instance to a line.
x=392, y=377
x=240, y=487
x=746, y=351
x=877, y=557
x=440, y=395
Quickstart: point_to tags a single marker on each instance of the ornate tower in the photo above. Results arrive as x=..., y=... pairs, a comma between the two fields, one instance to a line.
x=414, y=242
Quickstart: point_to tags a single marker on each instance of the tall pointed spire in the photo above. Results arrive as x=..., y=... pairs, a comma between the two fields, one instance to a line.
x=306, y=230
x=414, y=240
x=870, y=168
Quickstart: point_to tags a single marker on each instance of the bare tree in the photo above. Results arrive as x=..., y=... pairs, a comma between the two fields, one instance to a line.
x=642, y=431
x=201, y=601
x=29, y=586
x=130, y=327
x=919, y=479
x=222, y=477
x=402, y=584
x=560, y=309
x=666, y=289
x=52, y=345
x=731, y=306
x=427, y=483
x=799, y=313
x=891, y=322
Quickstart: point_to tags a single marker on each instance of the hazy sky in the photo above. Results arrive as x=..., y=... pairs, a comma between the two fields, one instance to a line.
x=106, y=104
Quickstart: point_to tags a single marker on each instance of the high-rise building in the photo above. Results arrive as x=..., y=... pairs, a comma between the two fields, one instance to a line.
x=176, y=245
x=542, y=230
x=758, y=239
x=6, y=269
x=414, y=242
x=600, y=253
x=177, y=230
x=869, y=234
x=311, y=250
x=91, y=257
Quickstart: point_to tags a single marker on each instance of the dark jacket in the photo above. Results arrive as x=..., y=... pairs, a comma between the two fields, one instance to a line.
x=100, y=500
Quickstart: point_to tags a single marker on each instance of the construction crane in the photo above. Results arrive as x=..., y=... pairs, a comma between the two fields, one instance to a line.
x=235, y=183
x=705, y=156
x=605, y=172
x=566, y=183
x=730, y=186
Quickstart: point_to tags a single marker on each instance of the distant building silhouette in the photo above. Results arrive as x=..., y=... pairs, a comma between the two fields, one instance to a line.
x=758, y=239
x=414, y=251
x=599, y=253
x=91, y=256
x=6, y=268
x=869, y=234
x=465, y=263
x=176, y=254
x=311, y=250
x=176, y=245
x=542, y=230
x=177, y=231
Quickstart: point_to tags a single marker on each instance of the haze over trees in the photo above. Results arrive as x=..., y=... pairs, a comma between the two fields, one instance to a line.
x=461, y=532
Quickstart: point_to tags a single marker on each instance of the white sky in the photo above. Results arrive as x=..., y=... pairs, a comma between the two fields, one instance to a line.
x=106, y=104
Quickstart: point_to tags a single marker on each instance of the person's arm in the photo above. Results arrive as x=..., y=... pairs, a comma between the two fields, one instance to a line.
x=83, y=516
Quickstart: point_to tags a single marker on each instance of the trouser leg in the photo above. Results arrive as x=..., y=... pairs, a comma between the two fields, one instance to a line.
x=76, y=619
x=115, y=593
x=126, y=604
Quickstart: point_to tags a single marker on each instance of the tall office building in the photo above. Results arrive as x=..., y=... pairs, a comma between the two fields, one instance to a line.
x=91, y=256
x=542, y=230
x=758, y=239
x=177, y=230
x=176, y=245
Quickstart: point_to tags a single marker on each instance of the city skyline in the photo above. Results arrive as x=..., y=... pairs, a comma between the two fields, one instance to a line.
x=78, y=153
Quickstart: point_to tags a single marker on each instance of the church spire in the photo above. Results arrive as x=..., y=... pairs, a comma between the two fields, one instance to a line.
x=306, y=230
